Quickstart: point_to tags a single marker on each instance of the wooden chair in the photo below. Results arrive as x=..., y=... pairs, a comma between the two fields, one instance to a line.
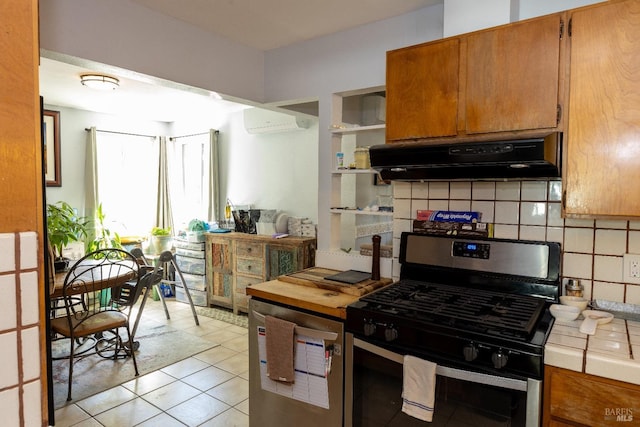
x=108, y=283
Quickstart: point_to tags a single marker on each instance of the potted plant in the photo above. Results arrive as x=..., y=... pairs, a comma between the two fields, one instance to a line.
x=103, y=237
x=161, y=239
x=64, y=226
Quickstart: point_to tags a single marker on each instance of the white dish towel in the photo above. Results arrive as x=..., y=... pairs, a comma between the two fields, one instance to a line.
x=418, y=388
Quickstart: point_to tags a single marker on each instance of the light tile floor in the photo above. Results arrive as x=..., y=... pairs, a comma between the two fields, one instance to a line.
x=208, y=389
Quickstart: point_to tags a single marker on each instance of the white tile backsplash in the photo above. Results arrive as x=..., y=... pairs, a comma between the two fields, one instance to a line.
x=31, y=353
x=607, y=268
x=483, y=190
x=533, y=213
x=606, y=223
x=460, y=205
x=29, y=298
x=531, y=210
x=439, y=190
x=8, y=251
x=402, y=190
x=28, y=250
x=532, y=232
x=634, y=242
x=608, y=291
x=486, y=208
x=8, y=312
x=555, y=191
x=438, y=205
x=534, y=190
x=509, y=190
x=10, y=407
x=20, y=338
x=554, y=215
x=460, y=190
x=402, y=209
x=578, y=240
x=507, y=213
x=9, y=371
x=503, y=231
x=610, y=242
x=420, y=191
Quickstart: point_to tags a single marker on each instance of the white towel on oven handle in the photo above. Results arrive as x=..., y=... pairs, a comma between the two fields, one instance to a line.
x=418, y=388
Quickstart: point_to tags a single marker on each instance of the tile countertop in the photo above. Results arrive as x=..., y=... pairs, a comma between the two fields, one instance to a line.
x=613, y=352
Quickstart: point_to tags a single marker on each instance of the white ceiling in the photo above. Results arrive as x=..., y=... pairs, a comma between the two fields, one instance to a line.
x=269, y=24
x=263, y=24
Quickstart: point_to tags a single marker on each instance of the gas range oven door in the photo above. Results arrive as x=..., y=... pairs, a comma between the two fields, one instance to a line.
x=373, y=393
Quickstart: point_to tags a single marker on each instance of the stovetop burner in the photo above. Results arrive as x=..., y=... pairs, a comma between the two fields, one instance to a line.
x=474, y=303
x=460, y=307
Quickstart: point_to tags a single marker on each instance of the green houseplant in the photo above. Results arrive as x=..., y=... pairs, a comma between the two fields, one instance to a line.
x=161, y=239
x=103, y=237
x=64, y=226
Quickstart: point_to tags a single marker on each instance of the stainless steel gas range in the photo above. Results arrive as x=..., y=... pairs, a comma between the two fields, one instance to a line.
x=478, y=308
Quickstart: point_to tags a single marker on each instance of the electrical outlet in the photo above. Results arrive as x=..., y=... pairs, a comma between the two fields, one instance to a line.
x=631, y=273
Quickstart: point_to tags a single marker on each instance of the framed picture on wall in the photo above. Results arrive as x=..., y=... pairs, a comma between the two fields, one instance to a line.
x=51, y=147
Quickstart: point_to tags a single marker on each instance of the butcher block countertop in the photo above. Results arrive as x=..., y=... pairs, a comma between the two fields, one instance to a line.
x=309, y=290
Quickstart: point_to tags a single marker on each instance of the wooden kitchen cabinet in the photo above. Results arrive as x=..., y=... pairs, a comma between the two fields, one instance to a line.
x=603, y=133
x=506, y=79
x=513, y=77
x=422, y=90
x=219, y=270
x=237, y=260
x=577, y=399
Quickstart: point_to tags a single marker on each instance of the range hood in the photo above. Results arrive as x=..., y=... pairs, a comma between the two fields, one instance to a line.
x=523, y=158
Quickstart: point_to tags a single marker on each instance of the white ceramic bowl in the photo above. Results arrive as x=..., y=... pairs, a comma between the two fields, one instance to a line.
x=564, y=312
x=579, y=302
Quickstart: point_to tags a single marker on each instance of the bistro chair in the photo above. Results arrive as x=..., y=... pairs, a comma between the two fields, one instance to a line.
x=108, y=284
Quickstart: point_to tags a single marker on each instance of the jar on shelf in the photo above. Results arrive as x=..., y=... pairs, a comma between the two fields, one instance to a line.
x=573, y=288
x=361, y=157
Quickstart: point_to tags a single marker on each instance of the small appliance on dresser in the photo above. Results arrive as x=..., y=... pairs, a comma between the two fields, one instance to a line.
x=477, y=309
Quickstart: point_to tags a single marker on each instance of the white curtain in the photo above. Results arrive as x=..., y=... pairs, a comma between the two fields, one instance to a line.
x=193, y=167
x=127, y=181
x=164, y=217
x=91, y=178
x=216, y=205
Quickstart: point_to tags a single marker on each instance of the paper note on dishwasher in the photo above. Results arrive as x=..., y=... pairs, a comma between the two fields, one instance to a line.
x=310, y=364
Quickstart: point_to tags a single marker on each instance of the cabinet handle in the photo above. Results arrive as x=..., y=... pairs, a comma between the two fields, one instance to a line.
x=248, y=267
x=249, y=250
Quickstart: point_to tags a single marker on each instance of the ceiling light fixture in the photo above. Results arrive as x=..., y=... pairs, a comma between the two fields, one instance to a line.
x=99, y=81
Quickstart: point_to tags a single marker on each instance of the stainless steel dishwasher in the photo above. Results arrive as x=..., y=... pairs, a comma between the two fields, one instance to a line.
x=270, y=407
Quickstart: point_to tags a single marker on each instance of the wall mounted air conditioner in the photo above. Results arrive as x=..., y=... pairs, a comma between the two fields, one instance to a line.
x=260, y=121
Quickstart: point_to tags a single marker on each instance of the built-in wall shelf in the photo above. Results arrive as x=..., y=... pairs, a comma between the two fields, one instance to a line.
x=361, y=212
x=356, y=171
x=357, y=129
x=357, y=119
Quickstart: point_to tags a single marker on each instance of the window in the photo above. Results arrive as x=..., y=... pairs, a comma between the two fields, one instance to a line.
x=128, y=182
x=189, y=178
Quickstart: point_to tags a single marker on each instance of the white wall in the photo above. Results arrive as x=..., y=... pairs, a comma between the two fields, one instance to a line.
x=275, y=171
x=73, y=142
x=270, y=171
x=125, y=34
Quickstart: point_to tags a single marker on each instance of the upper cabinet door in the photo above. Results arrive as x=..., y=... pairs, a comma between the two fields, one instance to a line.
x=422, y=91
x=512, y=79
x=603, y=137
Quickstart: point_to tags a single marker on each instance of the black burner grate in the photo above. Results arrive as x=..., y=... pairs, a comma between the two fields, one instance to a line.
x=491, y=312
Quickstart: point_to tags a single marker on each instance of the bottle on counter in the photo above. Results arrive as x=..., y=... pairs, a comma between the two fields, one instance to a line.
x=573, y=288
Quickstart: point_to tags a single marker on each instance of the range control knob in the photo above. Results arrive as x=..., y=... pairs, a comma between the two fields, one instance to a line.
x=499, y=359
x=369, y=328
x=390, y=333
x=470, y=352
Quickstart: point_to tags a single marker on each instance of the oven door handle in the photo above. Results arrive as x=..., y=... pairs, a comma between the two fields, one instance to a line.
x=301, y=330
x=444, y=371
